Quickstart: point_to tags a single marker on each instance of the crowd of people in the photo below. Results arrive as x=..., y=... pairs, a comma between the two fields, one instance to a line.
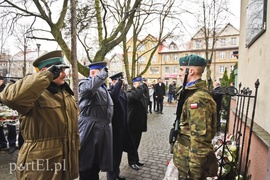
x=84, y=140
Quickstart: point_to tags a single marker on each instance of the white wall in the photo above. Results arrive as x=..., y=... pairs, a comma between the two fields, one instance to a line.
x=254, y=63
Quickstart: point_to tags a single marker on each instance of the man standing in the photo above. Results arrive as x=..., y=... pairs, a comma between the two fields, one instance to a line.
x=137, y=119
x=119, y=124
x=154, y=96
x=145, y=85
x=171, y=92
x=95, y=128
x=11, y=129
x=193, y=149
x=160, y=94
x=48, y=121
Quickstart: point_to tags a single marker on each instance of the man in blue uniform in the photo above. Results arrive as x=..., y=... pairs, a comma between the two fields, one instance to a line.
x=119, y=124
x=95, y=128
x=137, y=119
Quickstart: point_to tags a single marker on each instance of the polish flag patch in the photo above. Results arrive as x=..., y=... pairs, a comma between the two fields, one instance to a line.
x=194, y=105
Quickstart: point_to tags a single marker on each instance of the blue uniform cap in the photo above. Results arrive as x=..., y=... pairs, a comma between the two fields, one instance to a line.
x=97, y=65
x=137, y=79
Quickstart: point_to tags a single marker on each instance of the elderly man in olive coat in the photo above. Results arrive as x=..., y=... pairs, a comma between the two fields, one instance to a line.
x=49, y=121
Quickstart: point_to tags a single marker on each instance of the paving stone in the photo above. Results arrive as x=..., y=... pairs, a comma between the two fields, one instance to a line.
x=154, y=151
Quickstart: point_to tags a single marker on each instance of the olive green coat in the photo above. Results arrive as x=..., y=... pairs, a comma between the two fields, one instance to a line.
x=197, y=129
x=49, y=125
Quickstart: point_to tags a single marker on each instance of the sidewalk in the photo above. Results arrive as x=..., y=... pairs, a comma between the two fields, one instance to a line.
x=153, y=151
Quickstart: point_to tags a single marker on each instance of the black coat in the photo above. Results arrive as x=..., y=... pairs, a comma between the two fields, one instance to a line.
x=160, y=90
x=137, y=109
x=119, y=120
x=217, y=96
x=146, y=92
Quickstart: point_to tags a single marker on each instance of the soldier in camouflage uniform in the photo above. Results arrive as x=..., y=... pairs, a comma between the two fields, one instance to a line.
x=192, y=151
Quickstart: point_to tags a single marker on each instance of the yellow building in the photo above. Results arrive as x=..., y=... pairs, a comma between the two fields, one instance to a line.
x=165, y=60
x=143, y=53
x=227, y=42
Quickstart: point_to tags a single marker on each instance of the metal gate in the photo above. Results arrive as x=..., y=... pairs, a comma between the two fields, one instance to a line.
x=233, y=149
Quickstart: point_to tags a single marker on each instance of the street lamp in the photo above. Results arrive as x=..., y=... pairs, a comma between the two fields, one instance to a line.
x=38, y=47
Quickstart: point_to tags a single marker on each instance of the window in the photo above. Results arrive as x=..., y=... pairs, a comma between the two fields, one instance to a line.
x=154, y=59
x=141, y=47
x=222, y=55
x=154, y=70
x=175, y=69
x=173, y=46
x=233, y=41
x=221, y=69
x=231, y=68
x=167, y=70
x=209, y=43
x=232, y=56
x=129, y=59
x=175, y=58
x=198, y=44
x=167, y=58
x=223, y=41
x=142, y=59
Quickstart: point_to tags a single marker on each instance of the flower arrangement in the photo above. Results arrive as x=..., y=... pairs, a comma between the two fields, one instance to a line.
x=226, y=150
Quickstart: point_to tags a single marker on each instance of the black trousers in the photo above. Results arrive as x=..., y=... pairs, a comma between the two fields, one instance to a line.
x=117, y=157
x=90, y=174
x=150, y=106
x=11, y=136
x=155, y=104
x=133, y=156
x=160, y=105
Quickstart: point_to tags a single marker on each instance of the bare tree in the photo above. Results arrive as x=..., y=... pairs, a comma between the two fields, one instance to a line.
x=210, y=16
x=56, y=19
x=74, y=48
x=150, y=12
x=20, y=34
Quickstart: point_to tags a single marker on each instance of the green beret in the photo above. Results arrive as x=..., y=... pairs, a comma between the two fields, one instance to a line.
x=192, y=60
x=51, y=58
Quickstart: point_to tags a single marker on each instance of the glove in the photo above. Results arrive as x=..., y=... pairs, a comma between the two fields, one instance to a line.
x=56, y=70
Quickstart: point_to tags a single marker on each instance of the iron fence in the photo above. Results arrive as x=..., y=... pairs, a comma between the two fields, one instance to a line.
x=236, y=159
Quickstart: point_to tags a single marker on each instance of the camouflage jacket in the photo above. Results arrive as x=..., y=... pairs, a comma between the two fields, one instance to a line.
x=197, y=128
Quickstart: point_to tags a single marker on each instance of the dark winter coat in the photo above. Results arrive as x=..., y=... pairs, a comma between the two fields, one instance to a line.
x=121, y=136
x=160, y=90
x=137, y=109
x=95, y=127
x=146, y=90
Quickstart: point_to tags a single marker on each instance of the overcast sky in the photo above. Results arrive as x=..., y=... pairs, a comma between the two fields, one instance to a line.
x=49, y=46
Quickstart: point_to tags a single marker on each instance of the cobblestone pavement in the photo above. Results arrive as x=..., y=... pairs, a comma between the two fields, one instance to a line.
x=153, y=151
